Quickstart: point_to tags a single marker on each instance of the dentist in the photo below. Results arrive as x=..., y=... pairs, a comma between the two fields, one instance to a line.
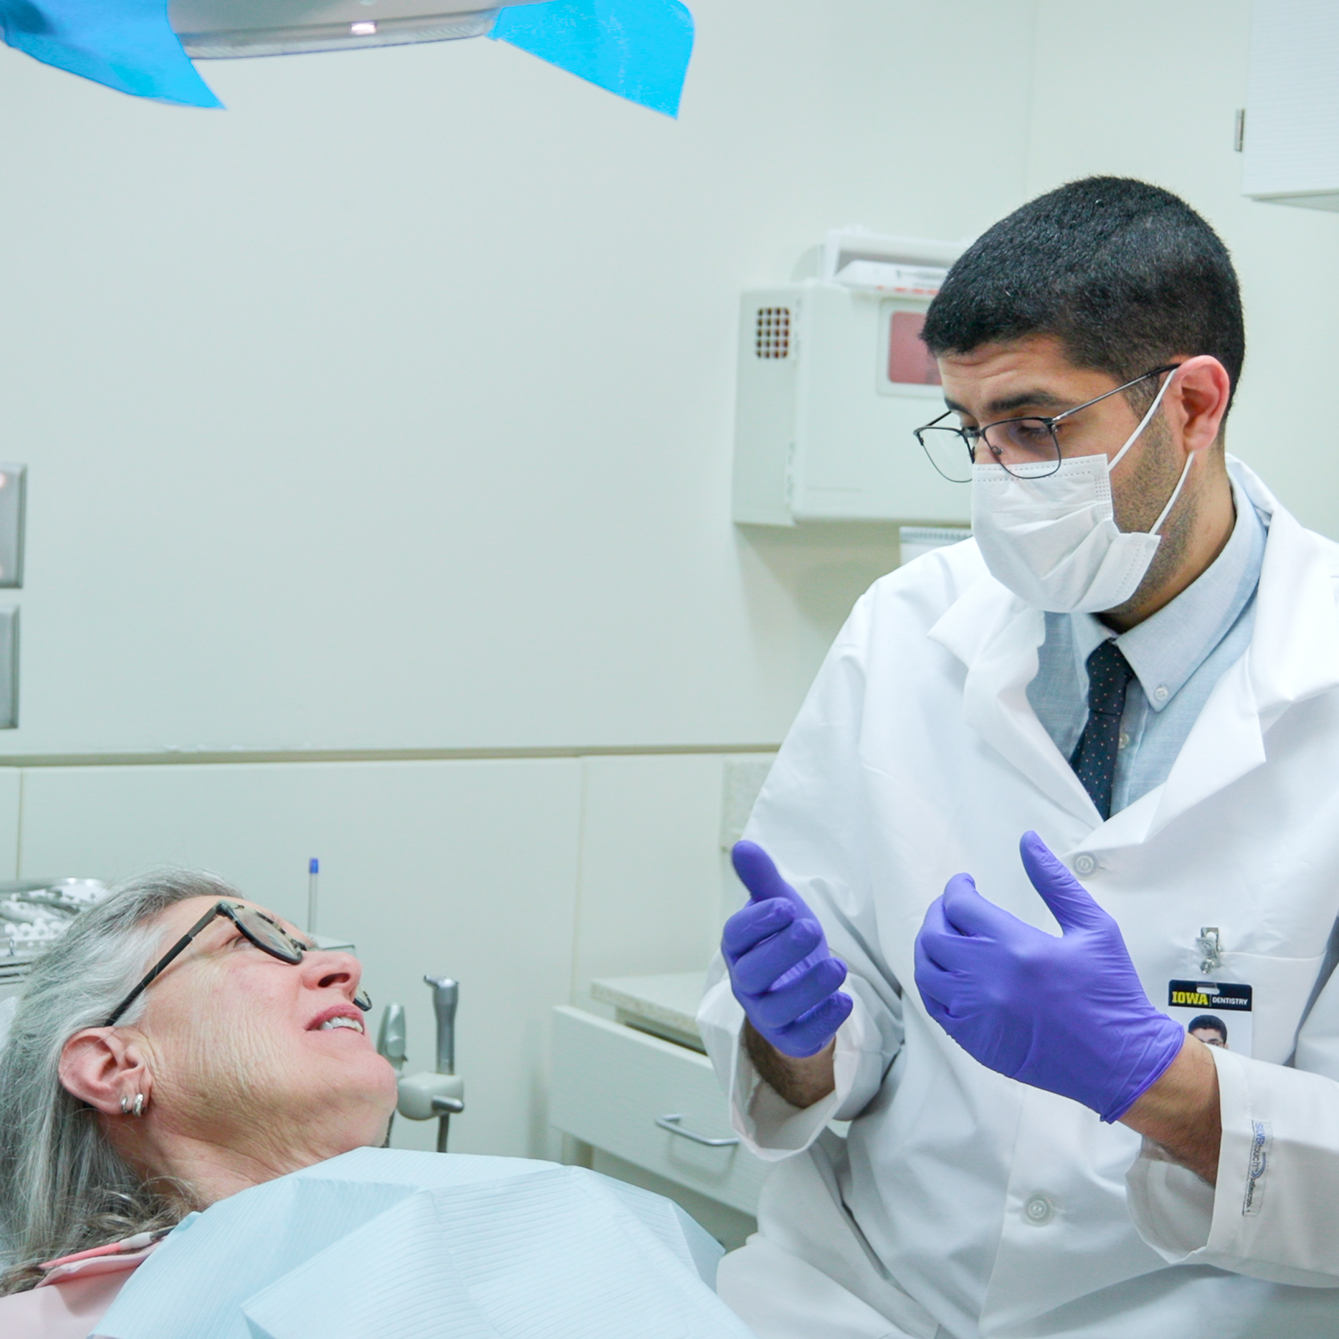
x=1133, y=667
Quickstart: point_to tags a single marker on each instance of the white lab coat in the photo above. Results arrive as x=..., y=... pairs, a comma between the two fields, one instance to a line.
x=965, y=1203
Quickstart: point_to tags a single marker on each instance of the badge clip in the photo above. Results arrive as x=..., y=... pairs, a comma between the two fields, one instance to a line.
x=1210, y=949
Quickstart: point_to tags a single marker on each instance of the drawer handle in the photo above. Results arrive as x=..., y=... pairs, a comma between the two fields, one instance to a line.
x=671, y=1123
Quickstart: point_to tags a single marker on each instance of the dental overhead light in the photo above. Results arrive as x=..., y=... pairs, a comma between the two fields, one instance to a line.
x=211, y=29
x=638, y=49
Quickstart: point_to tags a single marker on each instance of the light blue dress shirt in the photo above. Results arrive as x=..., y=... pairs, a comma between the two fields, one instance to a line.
x=1177, y=654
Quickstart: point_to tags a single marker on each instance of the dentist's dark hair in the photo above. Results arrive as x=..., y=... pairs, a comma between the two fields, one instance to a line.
x=1126, y=275
x=63, y=1187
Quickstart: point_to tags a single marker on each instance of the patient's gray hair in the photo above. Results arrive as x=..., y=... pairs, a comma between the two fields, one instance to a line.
x=63, y=1188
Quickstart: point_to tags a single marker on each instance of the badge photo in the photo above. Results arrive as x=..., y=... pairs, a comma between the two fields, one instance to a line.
x=1217, y=1012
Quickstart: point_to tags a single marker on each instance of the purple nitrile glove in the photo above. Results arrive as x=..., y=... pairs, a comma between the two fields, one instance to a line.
x=780, y=968
x=1068, y=1015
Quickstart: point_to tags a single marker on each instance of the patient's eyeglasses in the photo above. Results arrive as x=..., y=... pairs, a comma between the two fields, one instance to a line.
x=263, y=931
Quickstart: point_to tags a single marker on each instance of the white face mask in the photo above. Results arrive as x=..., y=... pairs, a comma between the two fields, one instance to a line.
x=1053, y=540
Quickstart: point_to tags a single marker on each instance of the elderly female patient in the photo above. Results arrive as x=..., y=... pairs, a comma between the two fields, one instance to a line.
x=181, y=1046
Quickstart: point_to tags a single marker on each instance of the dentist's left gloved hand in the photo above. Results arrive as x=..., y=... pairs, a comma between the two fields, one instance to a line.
x=1065, y=1014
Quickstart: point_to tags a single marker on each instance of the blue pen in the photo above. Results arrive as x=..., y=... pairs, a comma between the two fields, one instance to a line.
x=313, y=878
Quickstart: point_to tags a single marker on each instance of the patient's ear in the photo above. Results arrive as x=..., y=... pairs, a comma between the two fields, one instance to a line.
x=101, y=1066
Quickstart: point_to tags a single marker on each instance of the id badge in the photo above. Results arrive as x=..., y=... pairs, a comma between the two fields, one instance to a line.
x=1217, y=1012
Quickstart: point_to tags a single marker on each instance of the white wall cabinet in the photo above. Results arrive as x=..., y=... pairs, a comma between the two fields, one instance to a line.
x=1291, y=140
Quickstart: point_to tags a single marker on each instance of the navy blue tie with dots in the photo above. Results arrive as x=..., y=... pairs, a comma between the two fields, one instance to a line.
x=1094, y=760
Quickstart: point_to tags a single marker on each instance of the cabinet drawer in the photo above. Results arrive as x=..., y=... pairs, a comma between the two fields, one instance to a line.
x=609, y=1085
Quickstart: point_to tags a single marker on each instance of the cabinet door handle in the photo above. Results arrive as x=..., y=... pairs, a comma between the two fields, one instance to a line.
x=671, y=1123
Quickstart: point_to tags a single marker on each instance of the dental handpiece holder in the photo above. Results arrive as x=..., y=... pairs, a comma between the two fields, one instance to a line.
x=442, y=1094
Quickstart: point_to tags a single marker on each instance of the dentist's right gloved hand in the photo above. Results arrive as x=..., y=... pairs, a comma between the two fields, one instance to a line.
x=780, y=967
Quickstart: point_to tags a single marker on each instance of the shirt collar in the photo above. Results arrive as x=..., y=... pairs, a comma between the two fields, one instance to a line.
x=1169, y=646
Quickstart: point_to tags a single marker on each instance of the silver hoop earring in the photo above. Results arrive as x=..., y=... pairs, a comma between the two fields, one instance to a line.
x=135, y=1108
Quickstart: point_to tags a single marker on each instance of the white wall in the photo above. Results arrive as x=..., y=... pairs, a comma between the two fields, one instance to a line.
x=1151, y=90
x=523, y=878
x=389, y=412
x=391, y=408
x=468, y=869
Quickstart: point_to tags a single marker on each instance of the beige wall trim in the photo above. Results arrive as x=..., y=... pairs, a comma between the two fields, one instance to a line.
x=178, y=757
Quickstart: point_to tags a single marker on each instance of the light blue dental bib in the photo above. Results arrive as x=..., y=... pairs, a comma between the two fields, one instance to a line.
x=420, y=1245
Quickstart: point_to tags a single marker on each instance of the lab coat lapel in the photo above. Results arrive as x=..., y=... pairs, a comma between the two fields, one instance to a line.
x=996, y=636
x=1293, y=655
x=1294, y=651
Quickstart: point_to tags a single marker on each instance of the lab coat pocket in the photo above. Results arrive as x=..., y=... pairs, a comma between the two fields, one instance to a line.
x=1281, y=988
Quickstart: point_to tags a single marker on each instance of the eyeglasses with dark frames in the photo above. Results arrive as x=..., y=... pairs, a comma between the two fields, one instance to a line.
x=1016, y=444
x=263, y=931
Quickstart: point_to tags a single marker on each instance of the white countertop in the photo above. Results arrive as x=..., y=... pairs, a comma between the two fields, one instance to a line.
x=665, y=1005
